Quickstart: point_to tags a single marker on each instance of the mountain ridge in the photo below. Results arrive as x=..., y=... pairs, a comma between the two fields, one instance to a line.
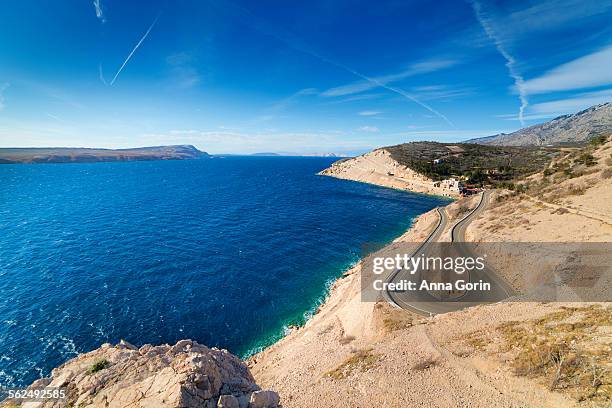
x=579, y=127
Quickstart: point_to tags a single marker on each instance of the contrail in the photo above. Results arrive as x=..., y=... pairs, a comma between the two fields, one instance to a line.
x=389, y=88
x=134, y=50
x=99, y=11
x=519, y=82
x=298, y=45
x=101, y=74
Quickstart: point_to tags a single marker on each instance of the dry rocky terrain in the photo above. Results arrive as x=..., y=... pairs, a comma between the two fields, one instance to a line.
x=516, y=354
x=378, y=167
x=186, y=375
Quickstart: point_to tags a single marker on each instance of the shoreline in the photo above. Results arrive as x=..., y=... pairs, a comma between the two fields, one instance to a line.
x=331, y=284
x=404, y=189
x=333, y=291
x=307, y=315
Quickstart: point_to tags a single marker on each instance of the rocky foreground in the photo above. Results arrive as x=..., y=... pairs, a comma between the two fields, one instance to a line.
x=185, y=375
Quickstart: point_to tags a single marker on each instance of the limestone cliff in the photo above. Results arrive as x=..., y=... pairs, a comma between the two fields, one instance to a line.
x=379, y=167
x=184, y=375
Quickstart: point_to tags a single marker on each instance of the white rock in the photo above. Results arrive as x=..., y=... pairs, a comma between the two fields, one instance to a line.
x=264, y=399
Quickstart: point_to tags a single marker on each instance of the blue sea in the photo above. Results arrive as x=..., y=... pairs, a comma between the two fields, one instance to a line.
x=226, y=251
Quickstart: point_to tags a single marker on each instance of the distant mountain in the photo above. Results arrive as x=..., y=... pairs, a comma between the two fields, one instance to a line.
x=323, y=154
x=84, y=155
x=579, y=127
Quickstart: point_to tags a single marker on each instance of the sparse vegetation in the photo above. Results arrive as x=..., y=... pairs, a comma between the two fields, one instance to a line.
x=551, y=186
x=346, y=339
x=564, y=349
x=391, y=324
x=425, y=364
x=98, y=366
x=576, y=190
x=598, y=140
x=476, y=340
x=479, y=164
x=587, y=159
x=362, y=360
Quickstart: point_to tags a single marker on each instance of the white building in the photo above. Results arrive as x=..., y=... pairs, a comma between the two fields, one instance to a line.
x=452, y=184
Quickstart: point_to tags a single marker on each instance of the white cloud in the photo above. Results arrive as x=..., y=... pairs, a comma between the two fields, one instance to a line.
x=99, y=10
x=369, y=113
x=430, y=92
x=585, y=72
x=247, y=142
x=286, y=102
x=549, y=15
x=183, y=71
x=101, y=74
x=370, y=129
x=552, y=109
x=365, y=85
x=3, y=88
x=487, y=24
x=574, y=104
x=54, y=117
x=299, y=45
x=354, y=98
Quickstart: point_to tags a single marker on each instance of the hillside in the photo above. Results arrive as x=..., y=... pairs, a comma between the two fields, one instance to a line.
x=509, y=354
x=579, y=127
x=470, y=160
x=84, y=155
x=418, y=166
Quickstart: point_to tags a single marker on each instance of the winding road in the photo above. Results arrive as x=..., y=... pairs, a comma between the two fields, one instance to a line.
x=424, y=302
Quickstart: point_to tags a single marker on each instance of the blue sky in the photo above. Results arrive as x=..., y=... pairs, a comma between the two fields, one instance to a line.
x=320, y=76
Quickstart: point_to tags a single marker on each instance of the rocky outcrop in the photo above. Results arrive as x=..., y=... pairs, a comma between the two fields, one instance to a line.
x=186, y=375
x=380, y=168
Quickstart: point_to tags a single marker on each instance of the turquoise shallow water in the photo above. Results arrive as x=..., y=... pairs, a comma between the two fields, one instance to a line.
x=226, y=251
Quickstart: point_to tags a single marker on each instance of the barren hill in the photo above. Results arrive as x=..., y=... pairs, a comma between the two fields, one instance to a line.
x=579, y=127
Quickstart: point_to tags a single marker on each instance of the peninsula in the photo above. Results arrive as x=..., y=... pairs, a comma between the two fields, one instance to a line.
x=86, y=155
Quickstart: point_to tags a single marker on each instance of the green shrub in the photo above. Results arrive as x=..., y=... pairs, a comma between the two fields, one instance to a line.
x=587, y=159
x=98, y=366
x=599, y=140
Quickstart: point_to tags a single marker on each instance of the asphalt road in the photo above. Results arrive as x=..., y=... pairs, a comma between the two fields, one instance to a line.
x=426, y=303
